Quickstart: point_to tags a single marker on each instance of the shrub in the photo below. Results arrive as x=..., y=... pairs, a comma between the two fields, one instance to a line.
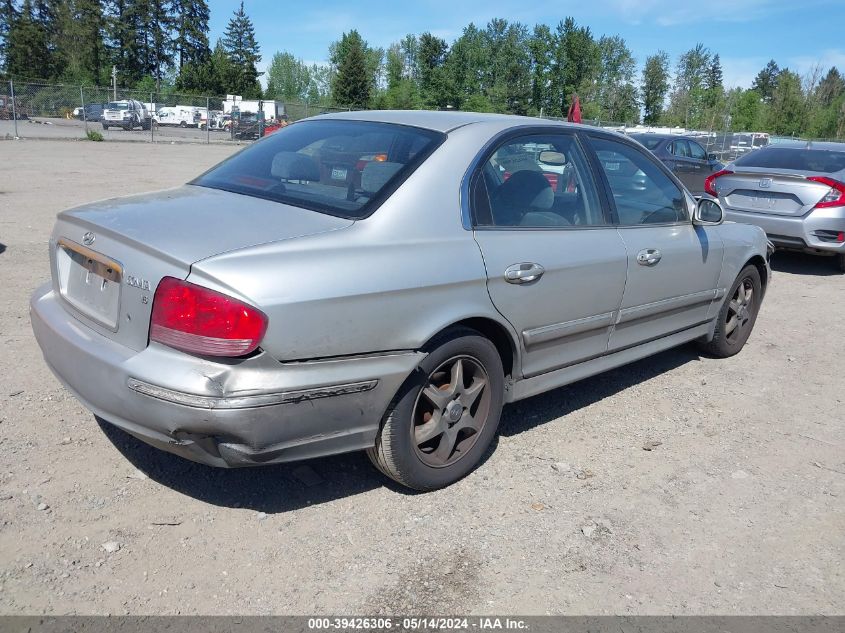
x=94, y=135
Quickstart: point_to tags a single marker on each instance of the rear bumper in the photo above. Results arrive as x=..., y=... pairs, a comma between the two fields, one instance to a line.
x=804, y=233
x=236, y=413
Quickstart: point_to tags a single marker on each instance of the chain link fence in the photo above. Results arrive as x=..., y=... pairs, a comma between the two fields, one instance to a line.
x=56, y=111
x=42, y=110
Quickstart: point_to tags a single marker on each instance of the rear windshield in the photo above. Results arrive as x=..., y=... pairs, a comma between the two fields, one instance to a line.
x=114, y=105
x=343, y=168
x=649, y=141
x=820, y=160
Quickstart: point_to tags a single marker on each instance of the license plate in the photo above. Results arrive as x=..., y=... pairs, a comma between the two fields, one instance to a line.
x=339, y=173
x=90, y=282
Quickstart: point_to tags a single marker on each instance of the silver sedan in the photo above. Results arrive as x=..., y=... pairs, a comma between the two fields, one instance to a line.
x=794, y=191
x=386, y=281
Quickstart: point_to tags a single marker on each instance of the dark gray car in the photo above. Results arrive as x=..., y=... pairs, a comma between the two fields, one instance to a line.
x=686, y=157
x=793, y=191
x=386, y=281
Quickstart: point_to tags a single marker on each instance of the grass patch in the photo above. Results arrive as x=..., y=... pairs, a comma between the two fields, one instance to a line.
x=94, y=135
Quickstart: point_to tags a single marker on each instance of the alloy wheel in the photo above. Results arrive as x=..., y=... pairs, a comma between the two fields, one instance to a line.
x=739, y=310
x=451, y=411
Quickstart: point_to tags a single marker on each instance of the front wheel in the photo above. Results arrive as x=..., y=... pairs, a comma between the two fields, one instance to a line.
x=737, y=315
x=445, y=415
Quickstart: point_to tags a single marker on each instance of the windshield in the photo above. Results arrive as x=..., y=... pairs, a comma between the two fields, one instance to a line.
x=114, y=105
x=820, y=160
x=343, y=168
x=649, y=141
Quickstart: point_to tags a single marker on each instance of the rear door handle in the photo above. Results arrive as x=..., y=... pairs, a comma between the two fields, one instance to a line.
x=648, y=257
x=523, y=273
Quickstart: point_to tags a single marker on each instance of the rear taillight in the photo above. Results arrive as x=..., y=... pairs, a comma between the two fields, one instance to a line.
x=201, y=321
x=710, y=182
x=835, y=196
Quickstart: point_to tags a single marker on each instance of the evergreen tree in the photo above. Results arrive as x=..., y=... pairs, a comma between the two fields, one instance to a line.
x=191, y=24
x=687, y=101
x=351, y=86
x=766, y=81
x=831, y=87
x=786, y=115
x=8, y=15
x=655, y=86
x=27, y=52
x=80, y=49
x=244, y=53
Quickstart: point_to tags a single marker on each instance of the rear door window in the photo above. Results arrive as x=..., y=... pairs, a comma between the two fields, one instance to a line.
x=537, y=181
x=343, y=168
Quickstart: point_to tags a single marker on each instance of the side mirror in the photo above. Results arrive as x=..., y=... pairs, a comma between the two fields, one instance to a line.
x=712, y=156
x=708, y=212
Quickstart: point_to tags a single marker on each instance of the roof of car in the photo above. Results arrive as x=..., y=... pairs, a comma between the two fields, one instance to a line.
x=438, y=120
x=798, y=144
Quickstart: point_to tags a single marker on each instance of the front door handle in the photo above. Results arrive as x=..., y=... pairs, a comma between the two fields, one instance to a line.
x=523, y=273
x=648, y=257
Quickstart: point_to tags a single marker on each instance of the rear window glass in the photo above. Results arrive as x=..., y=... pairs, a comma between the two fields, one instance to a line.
x=343, y=168
x=649, y=141
x=820, y=160
x=114, y=105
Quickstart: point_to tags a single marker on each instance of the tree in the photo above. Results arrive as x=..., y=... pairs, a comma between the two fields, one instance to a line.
x=394, y=66
x=352, y=84
x=372, y=57
x=466, y=69
x=80, y=50
x=786, y=115
x=288, y=78
x=541, y=46
x=575, y=64
x=831, y=87
x=687, y=100
x=766, y=80
x=27, y=52
x=655, y=86
x=244, y=53
x=431, y=54
x=8, y=15
x=191, y=24
x=617, y=95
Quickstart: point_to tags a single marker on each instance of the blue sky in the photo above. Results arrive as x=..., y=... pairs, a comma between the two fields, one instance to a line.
x=746, y=33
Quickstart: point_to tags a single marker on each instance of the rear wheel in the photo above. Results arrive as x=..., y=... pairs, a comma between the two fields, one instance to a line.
x=840, y=262
x=445, y=415
x=738, y=314
x=105, y=127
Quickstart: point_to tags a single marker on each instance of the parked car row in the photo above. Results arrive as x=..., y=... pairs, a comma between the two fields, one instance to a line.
x=793, y=190
x=387, y=281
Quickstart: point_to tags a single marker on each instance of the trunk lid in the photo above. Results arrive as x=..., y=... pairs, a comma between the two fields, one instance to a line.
x=108, y=257
x=760, y=190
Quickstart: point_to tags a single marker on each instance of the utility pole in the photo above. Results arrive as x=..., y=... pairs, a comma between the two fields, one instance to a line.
x=114, y=82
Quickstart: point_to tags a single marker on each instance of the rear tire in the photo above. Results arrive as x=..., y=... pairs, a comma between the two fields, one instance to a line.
x=737, y=315
x=840, y=262
x=444, y=416
x=105, y=127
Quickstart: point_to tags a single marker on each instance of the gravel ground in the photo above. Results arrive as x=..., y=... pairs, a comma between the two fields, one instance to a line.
x=739, y=510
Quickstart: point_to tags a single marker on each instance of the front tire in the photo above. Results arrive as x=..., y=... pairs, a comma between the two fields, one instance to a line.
x=444, y=416
x=737, y=315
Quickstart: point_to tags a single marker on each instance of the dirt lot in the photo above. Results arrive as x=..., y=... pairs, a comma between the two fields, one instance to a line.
x=740, y=510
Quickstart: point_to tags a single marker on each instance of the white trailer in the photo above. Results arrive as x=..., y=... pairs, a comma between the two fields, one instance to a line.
x=272, y=110
x=181, y=115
